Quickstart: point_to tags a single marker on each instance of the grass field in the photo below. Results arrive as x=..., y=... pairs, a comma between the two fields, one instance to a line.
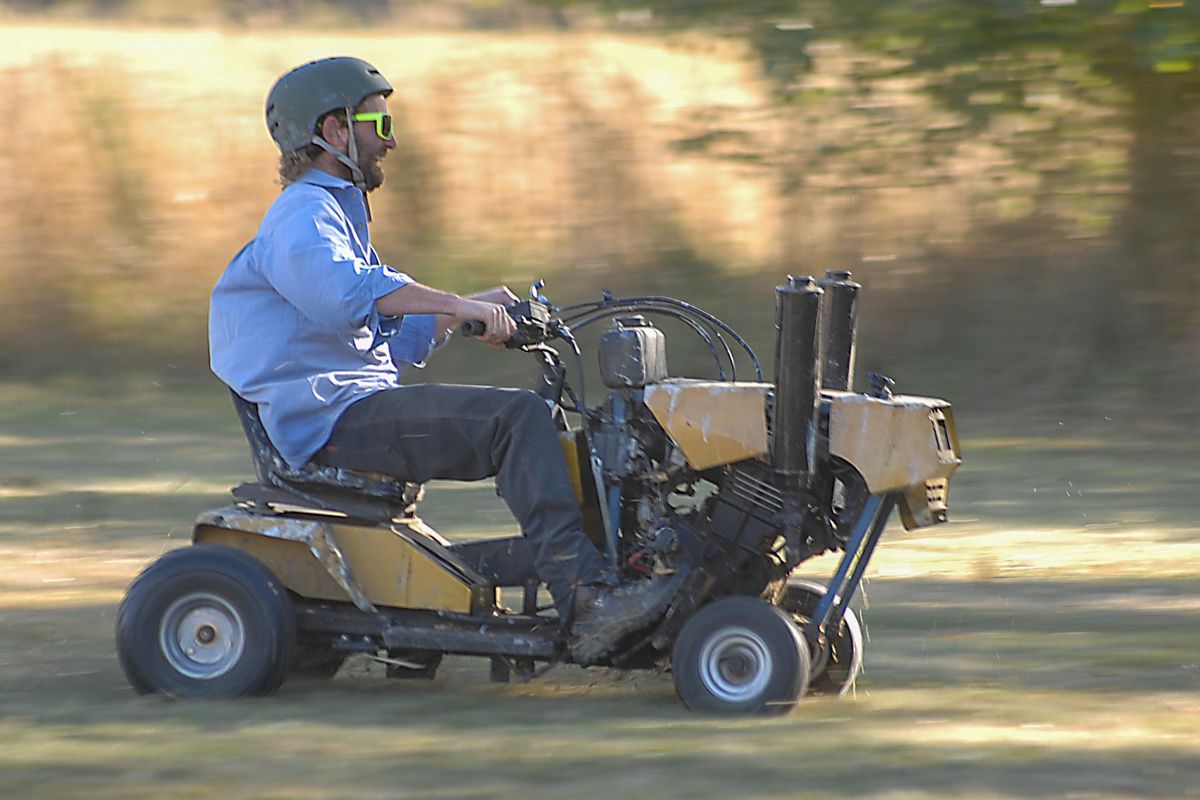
x=1045, y=644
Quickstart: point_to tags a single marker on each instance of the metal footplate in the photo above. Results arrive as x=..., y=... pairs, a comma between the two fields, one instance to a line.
x=478, y=639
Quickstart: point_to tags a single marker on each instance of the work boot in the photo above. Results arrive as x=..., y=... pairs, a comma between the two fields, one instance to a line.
x=604, y=614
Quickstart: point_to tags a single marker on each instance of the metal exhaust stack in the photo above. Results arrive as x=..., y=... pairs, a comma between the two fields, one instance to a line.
x=797, y=374
x=841, y=305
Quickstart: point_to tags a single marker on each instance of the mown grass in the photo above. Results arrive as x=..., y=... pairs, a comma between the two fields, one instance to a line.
x=1042, y=646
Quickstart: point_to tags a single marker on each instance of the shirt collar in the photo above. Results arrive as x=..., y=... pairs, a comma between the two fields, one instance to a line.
x=320, y=177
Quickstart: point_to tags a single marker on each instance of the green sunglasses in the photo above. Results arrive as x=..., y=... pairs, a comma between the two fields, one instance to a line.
x=382, y=120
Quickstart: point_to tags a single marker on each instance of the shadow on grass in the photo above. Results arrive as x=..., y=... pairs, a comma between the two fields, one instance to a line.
x=809, y=769
x=448, y=740
x=1116, y=479
x=971, y=653
x=1003, y=654
x=1122, y=635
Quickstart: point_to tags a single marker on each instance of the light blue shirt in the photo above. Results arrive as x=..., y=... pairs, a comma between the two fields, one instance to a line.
x=293, y=326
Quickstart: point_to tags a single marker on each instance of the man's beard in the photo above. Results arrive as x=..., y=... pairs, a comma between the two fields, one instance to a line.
x=372, y=174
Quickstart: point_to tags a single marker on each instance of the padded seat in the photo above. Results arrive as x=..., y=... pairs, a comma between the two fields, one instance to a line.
x=334, y=487
x=376, y=497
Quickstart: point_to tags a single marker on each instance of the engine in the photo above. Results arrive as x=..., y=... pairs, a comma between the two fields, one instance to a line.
x=747, y=515
x=731, y=483
x=669, y=512
x=637, y=461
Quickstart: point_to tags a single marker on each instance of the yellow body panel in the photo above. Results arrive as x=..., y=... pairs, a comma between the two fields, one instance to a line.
x=925, y=504
x=575, y=472
x=712, y=422
x=899, y=444
x=583, y=482
x=389, y=568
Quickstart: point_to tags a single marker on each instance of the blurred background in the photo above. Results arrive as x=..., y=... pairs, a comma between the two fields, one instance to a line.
x=1013, y=181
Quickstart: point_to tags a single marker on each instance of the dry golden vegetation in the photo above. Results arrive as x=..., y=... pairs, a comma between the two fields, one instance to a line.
x=138, y=164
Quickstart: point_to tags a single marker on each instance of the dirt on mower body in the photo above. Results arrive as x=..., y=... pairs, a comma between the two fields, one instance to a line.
x=727, y=484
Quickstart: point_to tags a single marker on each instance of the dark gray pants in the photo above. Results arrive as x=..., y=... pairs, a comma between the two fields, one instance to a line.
x=467, y=433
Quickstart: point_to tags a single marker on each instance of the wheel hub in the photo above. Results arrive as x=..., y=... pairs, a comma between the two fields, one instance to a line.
x=735, y=664
x=202, y=636
x=206, y=634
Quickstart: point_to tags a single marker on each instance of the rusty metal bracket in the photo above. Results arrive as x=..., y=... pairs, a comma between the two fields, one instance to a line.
x=317, y=535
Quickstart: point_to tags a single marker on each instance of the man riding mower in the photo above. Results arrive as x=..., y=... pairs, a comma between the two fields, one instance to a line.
x=710, y=490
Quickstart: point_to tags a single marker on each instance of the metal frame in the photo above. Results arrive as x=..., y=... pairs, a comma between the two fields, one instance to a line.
x=865, y=535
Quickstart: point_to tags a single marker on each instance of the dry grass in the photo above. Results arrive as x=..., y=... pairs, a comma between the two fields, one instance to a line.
x=1022, y=652
x=139, y=164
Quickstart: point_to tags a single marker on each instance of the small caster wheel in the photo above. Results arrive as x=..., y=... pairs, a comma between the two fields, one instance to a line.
x=740, y=655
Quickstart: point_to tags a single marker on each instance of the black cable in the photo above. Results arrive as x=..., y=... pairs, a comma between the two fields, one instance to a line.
x=596, y=316
x=708, y=317
x=670, y=301
x=619, y=307
x=724, y=345
x=564, y=333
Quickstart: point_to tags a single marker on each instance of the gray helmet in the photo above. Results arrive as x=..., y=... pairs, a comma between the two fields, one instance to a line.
x=305, y=94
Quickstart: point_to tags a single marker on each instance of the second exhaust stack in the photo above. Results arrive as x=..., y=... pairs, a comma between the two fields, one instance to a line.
x=797, y=373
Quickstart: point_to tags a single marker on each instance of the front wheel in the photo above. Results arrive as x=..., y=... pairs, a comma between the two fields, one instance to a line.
x=740, y=655
x=205, y=622
x=845, y=657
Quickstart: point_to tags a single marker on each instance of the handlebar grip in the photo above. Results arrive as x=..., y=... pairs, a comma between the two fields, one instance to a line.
x=472, y=327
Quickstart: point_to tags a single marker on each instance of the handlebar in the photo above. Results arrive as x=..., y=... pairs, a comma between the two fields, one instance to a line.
x=536, y=326
x=472, y=327
x=533, y=321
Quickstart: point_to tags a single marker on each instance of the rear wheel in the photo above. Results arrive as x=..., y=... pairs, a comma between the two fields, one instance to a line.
x=206, y=621
x=740, y=655
x=845, y=646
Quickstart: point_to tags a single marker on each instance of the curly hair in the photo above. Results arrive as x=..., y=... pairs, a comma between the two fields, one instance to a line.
x=294, y=164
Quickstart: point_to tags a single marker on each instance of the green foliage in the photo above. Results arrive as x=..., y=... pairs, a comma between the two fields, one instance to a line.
x=1058, y=73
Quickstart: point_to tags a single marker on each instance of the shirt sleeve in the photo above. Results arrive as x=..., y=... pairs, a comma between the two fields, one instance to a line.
x=413, y=341
x=310, y=259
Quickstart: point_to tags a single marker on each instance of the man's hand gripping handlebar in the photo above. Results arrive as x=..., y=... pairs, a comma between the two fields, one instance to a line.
x=531, y=319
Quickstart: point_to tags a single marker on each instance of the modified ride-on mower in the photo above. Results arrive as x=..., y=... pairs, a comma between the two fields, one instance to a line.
x=726, y=484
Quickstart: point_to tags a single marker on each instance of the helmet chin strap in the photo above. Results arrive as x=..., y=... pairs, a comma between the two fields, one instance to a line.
x=349, y=161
